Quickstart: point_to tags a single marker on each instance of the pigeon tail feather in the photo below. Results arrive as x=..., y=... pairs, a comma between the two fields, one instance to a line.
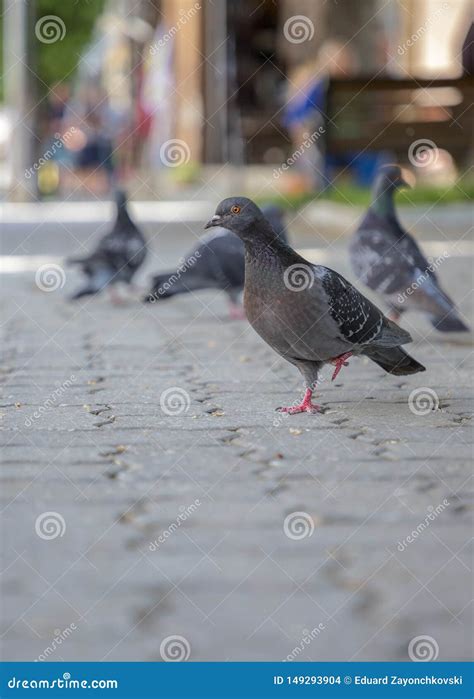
x=394, y=360
x=449, y=323
x=392, y=335
x=166, y=285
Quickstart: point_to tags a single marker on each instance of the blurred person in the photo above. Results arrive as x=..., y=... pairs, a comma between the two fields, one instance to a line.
x=97, y=127
x=467, y=52
x=51, y=151
x=305, y=113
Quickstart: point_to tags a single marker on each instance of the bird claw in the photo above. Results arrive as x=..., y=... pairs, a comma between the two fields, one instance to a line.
x=339, y=362
x=311, y=408
x=394, y=316
x=236, y=312
x=306, y=406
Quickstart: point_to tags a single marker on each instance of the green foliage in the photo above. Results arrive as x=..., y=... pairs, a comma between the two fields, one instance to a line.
x=352, y=195
x=57, y=61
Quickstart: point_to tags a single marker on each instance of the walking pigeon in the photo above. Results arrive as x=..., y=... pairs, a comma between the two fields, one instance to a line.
x=387, y=259
x=217, y=262
x=308, y=314
x=117, y=257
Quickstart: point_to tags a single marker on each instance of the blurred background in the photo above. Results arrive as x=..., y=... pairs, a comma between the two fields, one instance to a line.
x=183, y=102
x=284, y=99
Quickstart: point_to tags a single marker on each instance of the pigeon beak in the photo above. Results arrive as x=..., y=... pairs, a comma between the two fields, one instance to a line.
x=215, y=221
x=406, y=179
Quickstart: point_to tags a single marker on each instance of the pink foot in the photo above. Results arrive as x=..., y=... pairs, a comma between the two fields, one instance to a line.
x=394, y=316
x=115, y=297
x=236, y=312
x=306, y=406
x=339, y=362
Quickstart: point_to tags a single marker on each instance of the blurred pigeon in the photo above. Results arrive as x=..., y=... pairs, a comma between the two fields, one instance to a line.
x=217, y=262
x=117, y=257
x=388, y=260
x=308, y=314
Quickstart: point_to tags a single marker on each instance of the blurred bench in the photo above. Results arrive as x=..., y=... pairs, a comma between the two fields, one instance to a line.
x=387, y=114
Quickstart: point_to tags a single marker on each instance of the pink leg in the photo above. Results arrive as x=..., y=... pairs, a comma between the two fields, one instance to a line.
x=236, y=312
x=339, y=362
x=115, y=297
x=306, y=406
x=394, y=316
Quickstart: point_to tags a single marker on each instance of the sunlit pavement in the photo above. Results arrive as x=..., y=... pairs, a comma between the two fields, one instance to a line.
x=150, y=490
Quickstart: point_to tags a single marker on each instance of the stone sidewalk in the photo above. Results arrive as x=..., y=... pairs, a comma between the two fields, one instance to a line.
x=150, y=490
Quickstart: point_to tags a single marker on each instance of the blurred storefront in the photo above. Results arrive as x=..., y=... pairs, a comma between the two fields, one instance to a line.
x=167, y=86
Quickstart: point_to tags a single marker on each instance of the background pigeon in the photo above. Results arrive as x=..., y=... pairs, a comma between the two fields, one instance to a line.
x=217, y=262
x=117, y=257
x=309, y=314
x=388, y=260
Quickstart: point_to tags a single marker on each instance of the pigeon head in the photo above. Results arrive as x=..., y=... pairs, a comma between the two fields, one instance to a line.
x=120, y=198
x=390, y=178
x=239, y=215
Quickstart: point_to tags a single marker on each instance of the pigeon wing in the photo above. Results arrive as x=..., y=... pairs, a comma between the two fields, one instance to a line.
x=359, y=321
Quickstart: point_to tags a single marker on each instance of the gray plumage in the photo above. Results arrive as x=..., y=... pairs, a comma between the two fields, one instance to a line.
x=216, y=262
x=387, y=259
x=117, y=257
x=308, y=314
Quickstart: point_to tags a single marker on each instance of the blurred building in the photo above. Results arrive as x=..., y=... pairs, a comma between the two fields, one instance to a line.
x=191, y=82
x=216, y=75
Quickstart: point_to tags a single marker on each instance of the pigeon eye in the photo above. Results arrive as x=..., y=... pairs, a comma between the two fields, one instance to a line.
x=235, y=210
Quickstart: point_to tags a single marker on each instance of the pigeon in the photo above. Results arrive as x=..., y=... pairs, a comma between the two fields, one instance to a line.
x=217, y=262
x=309, y=314
x=388, y=260
x=116, y=258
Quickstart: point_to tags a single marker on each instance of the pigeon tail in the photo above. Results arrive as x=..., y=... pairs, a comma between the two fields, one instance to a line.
x=76, y=260
x=166, y=285
x=450, y=323
x=394, y=360
x=85, y=291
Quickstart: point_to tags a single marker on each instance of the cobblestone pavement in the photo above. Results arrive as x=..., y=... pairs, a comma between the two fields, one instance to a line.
x=181, y=504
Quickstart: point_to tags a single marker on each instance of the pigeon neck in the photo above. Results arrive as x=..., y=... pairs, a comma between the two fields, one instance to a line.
x=122, y=214
x=269, y=244
x=382, y=202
